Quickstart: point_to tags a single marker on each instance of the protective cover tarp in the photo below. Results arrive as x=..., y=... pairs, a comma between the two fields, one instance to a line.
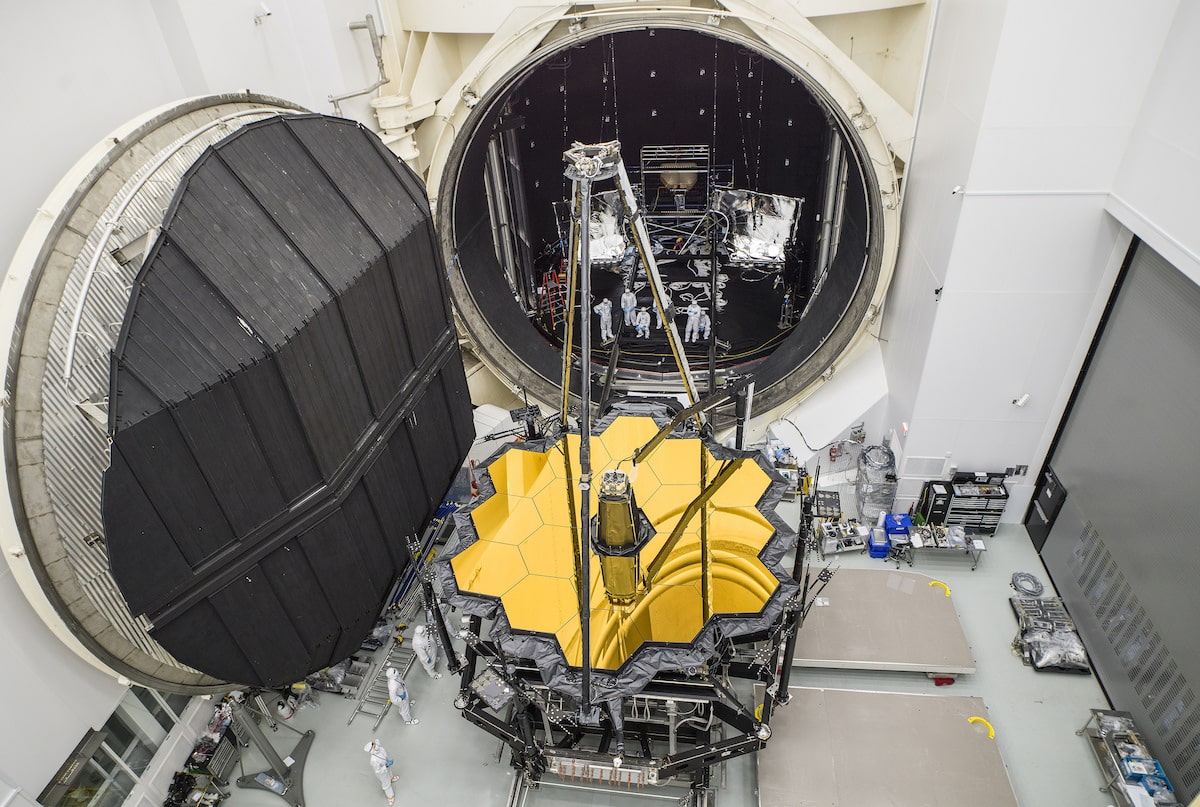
x=555, y=652
x=287, y=401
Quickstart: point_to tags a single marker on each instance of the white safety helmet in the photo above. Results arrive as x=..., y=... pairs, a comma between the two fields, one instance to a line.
x=370, y=745
x=418, y=630
x=391, y=672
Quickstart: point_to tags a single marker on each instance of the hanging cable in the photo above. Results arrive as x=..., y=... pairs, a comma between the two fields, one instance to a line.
x=762, y=81
x=713, y=147
x=605, y=77
x=612, y=53
x=737, y=86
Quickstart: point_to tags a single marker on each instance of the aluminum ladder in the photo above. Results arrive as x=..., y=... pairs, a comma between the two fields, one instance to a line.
x=373, y=696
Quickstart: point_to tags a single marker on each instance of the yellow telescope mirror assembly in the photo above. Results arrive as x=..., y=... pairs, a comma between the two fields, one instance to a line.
x=521, y=553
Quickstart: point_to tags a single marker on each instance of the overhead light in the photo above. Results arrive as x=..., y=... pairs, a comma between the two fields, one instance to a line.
x=680, y=176
x=1024, y=399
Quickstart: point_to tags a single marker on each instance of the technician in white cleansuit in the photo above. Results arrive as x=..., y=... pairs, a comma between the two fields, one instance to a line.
x=628, y=305
x=426, y=649
x=694, y=312
x=398, y=694
x=705, y=324
x=604, y=309
x=381, y=764
x=642, y=321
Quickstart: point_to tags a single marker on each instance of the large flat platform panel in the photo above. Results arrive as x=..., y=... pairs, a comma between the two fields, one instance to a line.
x=287, y=401
x=884, y=620
x=836, y=748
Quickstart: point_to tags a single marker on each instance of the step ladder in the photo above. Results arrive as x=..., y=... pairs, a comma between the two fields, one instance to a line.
x=373, y=696
x=552, y=301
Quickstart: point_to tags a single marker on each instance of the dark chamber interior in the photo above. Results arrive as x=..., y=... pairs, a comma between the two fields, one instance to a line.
x=765, y=132
x=288, y=402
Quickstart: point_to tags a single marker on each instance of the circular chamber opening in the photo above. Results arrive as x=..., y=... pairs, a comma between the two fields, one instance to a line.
x=759, y=199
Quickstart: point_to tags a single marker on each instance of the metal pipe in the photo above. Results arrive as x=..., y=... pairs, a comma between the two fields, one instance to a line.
x=672, y=715
x=667, y=548
x=714, y=271
x=278, y=767
x=742, y=409
x=119, y=211
x=715, y=398
x=705, y=551
x=585, y=457
x=798, y=572
x=578, y=227
x=833, y=169
x=377, y=46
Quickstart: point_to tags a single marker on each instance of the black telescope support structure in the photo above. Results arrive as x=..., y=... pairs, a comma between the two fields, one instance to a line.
x=429, y=598
x=782, y=695
x=288, y=777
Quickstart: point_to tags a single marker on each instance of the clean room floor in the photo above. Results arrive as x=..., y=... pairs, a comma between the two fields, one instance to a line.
x=446, y=761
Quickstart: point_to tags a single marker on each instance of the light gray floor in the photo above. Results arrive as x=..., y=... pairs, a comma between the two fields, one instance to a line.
x=446, y=761
x=847, y=747
x=884, y=619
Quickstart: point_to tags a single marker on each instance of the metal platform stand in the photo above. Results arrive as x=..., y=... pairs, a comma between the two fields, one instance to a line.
x=373, y=697
x=284, y=778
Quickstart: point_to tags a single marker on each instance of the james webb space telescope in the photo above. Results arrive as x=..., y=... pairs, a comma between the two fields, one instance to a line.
x=689, y=206
x=645, y=643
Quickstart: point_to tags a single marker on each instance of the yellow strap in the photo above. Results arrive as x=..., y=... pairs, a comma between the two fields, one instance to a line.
x=977, y=719
x=940, y=583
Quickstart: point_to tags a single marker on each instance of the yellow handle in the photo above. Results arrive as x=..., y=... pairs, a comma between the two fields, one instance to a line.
x=758, y=712
x=940, y=583
x=991, y=731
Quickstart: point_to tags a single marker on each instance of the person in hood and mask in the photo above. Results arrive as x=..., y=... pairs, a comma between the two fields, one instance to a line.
x=398, y=693
x=381, y=764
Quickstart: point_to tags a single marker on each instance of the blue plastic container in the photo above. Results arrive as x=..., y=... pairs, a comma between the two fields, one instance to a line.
x=897, y=523
x=878, y=544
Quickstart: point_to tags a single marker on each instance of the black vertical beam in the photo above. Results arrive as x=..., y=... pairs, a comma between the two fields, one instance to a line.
x=585, y=430
x=713, y=270
x=789, y=648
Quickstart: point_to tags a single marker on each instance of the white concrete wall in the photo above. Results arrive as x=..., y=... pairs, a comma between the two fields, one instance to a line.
x=48, y=695
x=1030, y=108
x=73, y=72
x=1154, y=193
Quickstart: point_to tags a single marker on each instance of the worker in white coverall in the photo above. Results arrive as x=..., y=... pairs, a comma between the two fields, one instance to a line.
x=694, y=312
x=426, y=649
x=705, y=324
x=604, y=309
x=642, y=321
x=658, y=312
x=381, y=764
x=398, y=694
x=628, y=305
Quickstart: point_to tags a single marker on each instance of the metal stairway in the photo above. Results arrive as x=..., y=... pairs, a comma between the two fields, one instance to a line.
x=373, y=696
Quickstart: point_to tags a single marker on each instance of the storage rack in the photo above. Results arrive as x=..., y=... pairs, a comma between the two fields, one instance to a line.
x=973, y=501
x=1107, y=733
